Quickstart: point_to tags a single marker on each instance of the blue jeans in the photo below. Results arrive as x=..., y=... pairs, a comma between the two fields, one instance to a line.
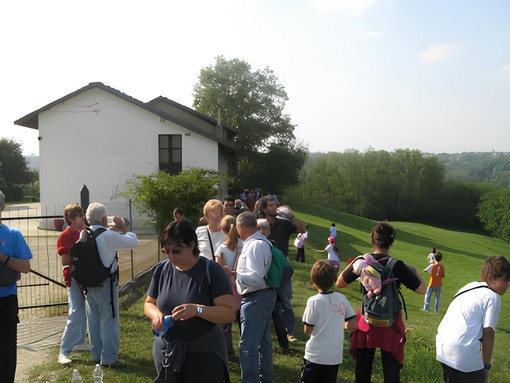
x=287, y=312
x=76, y=325
x=255, y=348
x=103, y=327
x=428, y=295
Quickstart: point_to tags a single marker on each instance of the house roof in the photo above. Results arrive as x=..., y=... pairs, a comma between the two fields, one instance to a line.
x=31, y=120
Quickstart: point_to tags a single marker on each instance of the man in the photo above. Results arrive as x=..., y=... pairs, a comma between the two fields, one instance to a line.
x=255, y=349
x=76, y=325
x=229, y=206
x=15, y=258
x=283, y=223
x=465, y=337
x=103, y=301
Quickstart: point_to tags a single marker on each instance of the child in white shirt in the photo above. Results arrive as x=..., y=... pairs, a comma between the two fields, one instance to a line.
x=324, y=320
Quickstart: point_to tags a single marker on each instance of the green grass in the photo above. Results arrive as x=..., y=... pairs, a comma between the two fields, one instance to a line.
x=463, y=254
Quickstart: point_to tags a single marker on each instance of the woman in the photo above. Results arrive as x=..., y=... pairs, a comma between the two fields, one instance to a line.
x=366, y=338
x=210, y=236
x=198, y=295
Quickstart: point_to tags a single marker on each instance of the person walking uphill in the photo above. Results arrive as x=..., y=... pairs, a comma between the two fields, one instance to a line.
x=465, y=336
x=15, y=258
x=102, y=303
x=367, y=337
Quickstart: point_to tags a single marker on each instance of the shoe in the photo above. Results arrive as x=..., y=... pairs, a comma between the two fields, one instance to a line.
x=291, y=338
x=62, y=359
x=116, y=365
x=285, y=351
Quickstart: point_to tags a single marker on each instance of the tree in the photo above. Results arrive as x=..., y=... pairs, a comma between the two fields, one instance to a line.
x=494, y=213
x=157, y=194
x=252, y=102
x=13, y=169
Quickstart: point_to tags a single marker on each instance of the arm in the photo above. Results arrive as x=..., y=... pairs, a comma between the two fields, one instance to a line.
x=340, y=282
x=351, y=324
x=221, y=312
x=487, y=344
x=16, y=264
x=307, y=329
x=152, y=312
x=300, y=225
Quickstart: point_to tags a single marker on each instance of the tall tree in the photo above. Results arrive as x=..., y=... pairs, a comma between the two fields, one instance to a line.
x=13, y=168
x=252, y=102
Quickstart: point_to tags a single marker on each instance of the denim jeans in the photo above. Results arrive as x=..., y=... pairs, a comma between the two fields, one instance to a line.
x=255, y=348
x=103, y=327
x=428, y=295
x=76, y=325
x=287, y=312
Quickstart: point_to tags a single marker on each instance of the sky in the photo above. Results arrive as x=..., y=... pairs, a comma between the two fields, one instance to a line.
x=360, y=74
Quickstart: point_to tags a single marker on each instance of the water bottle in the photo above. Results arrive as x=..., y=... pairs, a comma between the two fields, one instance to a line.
x=167, y=325
x=98, y=374
x=76, y=378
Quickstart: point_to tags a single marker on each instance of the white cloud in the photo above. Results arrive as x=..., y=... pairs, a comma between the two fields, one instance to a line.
x=355, y=7
x=438, y=52
x=373, y=35
x=505, y=71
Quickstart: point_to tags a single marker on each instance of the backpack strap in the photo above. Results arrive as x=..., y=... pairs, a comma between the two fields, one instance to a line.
x=473, y=288
x=388, y=268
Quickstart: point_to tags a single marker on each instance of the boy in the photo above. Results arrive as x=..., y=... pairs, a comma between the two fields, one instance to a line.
x=323, y=319
x=437, y=273
x=469, y=324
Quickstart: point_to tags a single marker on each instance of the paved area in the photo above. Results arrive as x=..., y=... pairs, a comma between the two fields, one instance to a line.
x=36, y=336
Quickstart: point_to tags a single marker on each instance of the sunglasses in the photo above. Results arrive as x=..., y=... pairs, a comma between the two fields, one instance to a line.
x=174, y=251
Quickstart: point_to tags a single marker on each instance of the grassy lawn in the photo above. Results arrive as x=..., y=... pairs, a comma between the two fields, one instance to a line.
x=463, y=254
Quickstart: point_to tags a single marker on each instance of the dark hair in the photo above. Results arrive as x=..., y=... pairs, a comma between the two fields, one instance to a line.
x=383, y=235
x=323, y=275
x=180, y=233
x=438, y=256
x=178, y=210
x=496, y=267
x=333, y=224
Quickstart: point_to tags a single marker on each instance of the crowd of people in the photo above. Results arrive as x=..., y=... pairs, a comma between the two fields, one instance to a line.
x=214, y=276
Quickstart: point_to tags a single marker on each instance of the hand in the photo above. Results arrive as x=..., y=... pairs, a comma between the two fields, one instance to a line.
x=118, y=225
x=157, y=322
x=185, y=311
x=67, y=275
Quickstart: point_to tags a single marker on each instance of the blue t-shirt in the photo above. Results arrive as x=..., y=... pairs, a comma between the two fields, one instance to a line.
x=171, y=287
x=13, y=245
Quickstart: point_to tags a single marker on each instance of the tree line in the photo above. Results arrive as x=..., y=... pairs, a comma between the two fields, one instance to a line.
x=405, y=185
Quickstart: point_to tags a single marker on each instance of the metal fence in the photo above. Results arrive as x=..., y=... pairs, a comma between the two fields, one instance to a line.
x=41, y=292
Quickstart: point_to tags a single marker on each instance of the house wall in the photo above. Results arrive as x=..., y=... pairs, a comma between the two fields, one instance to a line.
x=100, y=140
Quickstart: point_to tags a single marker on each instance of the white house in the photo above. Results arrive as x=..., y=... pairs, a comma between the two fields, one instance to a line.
x=100, y=137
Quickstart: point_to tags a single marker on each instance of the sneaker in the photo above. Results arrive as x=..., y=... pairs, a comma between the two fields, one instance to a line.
x=62, y=359
x=291, y=338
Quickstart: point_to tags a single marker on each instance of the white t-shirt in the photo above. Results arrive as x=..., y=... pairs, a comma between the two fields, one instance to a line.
x=229, y=256
x=332, y=256
x=459, y=333
x=204, y=244
x=326, y=313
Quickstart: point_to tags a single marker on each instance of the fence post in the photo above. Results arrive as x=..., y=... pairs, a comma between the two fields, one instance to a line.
x=84, y=197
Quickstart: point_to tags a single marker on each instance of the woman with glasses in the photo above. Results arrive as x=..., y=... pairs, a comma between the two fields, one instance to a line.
x=197, y=293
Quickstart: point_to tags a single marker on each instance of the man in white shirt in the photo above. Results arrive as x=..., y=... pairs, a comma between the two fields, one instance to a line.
x=469, y=324
x=255, y=348
x=102, y=303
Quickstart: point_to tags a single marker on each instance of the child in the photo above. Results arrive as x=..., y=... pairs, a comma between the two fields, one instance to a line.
x=465, y=336
x=332, y=251
x=437, y=273
x=324, y=320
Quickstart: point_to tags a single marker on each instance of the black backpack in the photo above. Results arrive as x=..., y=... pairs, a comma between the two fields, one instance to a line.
x=381, y=310
x=88, y=269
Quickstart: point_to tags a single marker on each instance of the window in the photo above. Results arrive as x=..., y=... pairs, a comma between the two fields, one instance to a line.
x=170, y=153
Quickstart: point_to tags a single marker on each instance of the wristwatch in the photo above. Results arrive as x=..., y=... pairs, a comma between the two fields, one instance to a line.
x=487, y=366
x=199, y=310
